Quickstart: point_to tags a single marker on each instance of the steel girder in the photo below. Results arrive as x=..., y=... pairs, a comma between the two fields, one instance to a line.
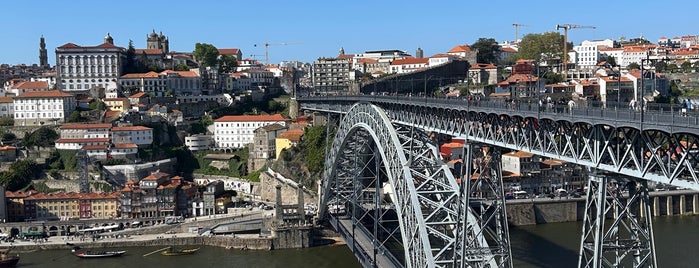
x=617, y=230
x=652, y=154
x=424, y=194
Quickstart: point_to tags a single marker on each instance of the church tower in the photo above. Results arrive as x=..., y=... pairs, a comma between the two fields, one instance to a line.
x=419, y=53
x=43, y=56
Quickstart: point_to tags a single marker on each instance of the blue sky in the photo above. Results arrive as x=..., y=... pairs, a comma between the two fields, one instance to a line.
x=320, y=28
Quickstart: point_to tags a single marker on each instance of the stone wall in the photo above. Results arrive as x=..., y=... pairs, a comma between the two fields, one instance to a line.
x=545, y=211
x=289, y=191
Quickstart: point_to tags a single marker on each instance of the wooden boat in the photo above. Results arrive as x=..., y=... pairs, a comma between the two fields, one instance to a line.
x=171, y=251
x=6, y=260
x=100, y=254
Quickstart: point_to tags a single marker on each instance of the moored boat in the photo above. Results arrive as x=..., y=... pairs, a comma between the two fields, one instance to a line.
x=171, y=251
x=6, y=260
x=99, y=254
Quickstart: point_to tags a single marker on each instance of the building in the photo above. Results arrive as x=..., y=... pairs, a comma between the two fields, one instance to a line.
x=7, y=107
x=519, y=162
x=236, y=53
x=43, y=54
x=464, y=52
x=139, y=135
x=287, y=140
x=199, y=142
x=43, y=107
x=587, y=54
x=52, y=206
x=8, y=153
x=263, y=146
x=333, y=74
x=149, y=193
x=99, y=205
x=165, y=83
x=213, y=189
x=130, y=200
x=77, y=144
x=15, y=204
x=409, y=65
x=81, y=68
x=236, y=131
x=117, y=104
x=483, y=73
x=28, y=86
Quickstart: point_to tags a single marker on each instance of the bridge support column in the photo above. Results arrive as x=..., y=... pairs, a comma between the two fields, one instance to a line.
x=485, y=197
x=669, y=205
x=695, y=203
x=656, y=206
x=683, y=205
x=628, y=240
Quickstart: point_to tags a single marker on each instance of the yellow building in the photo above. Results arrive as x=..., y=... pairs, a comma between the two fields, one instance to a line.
x=287, y=139
x=117, y=104
x=52, y=206
x=99, y=206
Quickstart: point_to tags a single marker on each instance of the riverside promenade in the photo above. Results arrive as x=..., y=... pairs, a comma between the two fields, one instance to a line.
x=180, y=234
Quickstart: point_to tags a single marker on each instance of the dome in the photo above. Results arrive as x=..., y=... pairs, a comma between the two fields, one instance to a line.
x=153, y=34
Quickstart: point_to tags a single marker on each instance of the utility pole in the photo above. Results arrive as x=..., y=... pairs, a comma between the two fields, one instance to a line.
x=565, y=28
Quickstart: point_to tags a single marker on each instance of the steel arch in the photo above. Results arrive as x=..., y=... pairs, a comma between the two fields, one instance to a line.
x=426, y=196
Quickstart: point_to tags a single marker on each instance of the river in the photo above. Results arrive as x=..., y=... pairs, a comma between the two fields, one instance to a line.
x=546, y=245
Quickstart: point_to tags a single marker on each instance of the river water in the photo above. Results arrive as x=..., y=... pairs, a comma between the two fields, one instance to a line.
x=546, y=245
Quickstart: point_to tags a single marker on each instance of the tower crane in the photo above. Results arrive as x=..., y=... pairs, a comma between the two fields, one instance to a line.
x=267, y=44
x=517, y=25
x=565, y=28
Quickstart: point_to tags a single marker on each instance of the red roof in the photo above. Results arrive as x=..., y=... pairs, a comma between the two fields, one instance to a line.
x=138, y=95
x=460, y=48
x=6, y=99
x=182, y=73
x=33, y=85
x=45, y=94
x=95, y=147
x=411, y=61
x=228, y=51
x=292, y=135
x=130, y=128
x=86, y=126
x=125, y=146
x=150, y=74
x=149, y=51
x=251, y=118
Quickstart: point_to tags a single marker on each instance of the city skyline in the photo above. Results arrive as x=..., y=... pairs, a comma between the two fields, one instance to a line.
x=320, y=29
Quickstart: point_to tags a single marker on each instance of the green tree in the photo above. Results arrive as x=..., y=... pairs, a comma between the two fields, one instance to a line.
x=488, y=50
x=609, y=59
x=7, y=121
x=20, y=174
x=181, y=67
x=131, y=65
x=672, y=67
x=96, y=105
x=8, y=136
x=227, y=64
x=75, y=117
x=313, y=147
x=553, y=78
x=660, y=66
x=42, y=137
x=206, y=54
x=549, y=44
x=633, y=66
x=686, y=67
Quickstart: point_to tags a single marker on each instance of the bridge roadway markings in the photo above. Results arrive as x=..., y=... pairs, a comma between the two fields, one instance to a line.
x=365, y=243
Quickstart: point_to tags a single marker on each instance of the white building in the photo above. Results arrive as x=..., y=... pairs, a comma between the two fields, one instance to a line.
x=409, y=65
x=85, y=131
x=7, y=107
x=199, y=142
x=236, y=131
x=587, y=54
x=24, y=87
x=81, y=68
x=77, y=144
x=138, y=135
x=43, y=107
x=439, y=59
x=179, y=82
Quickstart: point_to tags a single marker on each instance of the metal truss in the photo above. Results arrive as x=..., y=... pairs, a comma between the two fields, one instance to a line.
x=485, y=196
x=647, y=151
x=618, y=230
x=421, y=221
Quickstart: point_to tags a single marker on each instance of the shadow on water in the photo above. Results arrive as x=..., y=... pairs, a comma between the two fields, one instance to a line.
x=555, y=248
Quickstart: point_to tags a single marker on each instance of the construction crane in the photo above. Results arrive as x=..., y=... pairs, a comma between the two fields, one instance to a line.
x=565, y=28
x=267, y=44
x=517, y=25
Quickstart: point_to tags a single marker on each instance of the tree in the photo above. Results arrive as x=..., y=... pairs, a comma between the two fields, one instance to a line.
x=672, y=67
x=206, y=54
x=609, y=59
x=96, y=105
x=549, y=44
x=686, y=66
x=75, y=117
x=633, y=66
x=488, y=50
x=42, y=137
x=130, y=65
x=181, y=67
x=20, y=174
x=8, y=136
x=660, y=66
x=227, y=64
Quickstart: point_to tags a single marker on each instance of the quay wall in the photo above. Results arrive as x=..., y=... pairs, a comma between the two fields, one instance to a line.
x=539, y=210
x=229, y=242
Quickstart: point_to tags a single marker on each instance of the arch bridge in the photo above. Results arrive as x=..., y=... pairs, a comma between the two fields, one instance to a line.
x=386, y=190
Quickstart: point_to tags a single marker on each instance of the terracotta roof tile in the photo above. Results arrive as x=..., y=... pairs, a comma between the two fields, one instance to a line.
x=411, y=60
x=6, y=99
x=130, y=128
x=292, y=135
x=125, y=146
x=33, y=85
x=86, y=126
x=460, y=48
x=150, y=51
x=45, y=94
x=150, y=74
x=228, y=51
x=138, y=95
x=86, y=140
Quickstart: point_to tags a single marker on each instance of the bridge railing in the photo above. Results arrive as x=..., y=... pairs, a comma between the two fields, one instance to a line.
x=661, y=114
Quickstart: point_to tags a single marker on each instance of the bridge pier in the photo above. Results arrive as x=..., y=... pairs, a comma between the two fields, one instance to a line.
x=627, y=241
x=695, y=203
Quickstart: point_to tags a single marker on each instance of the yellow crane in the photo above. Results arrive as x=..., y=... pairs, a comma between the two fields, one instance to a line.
x=267, y=44
x=517, y=25
x=565, y=28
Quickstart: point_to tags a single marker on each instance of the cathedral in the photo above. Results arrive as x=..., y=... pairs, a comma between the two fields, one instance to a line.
x=158, y=41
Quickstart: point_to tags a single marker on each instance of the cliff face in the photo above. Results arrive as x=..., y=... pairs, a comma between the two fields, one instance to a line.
x=294, y=169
